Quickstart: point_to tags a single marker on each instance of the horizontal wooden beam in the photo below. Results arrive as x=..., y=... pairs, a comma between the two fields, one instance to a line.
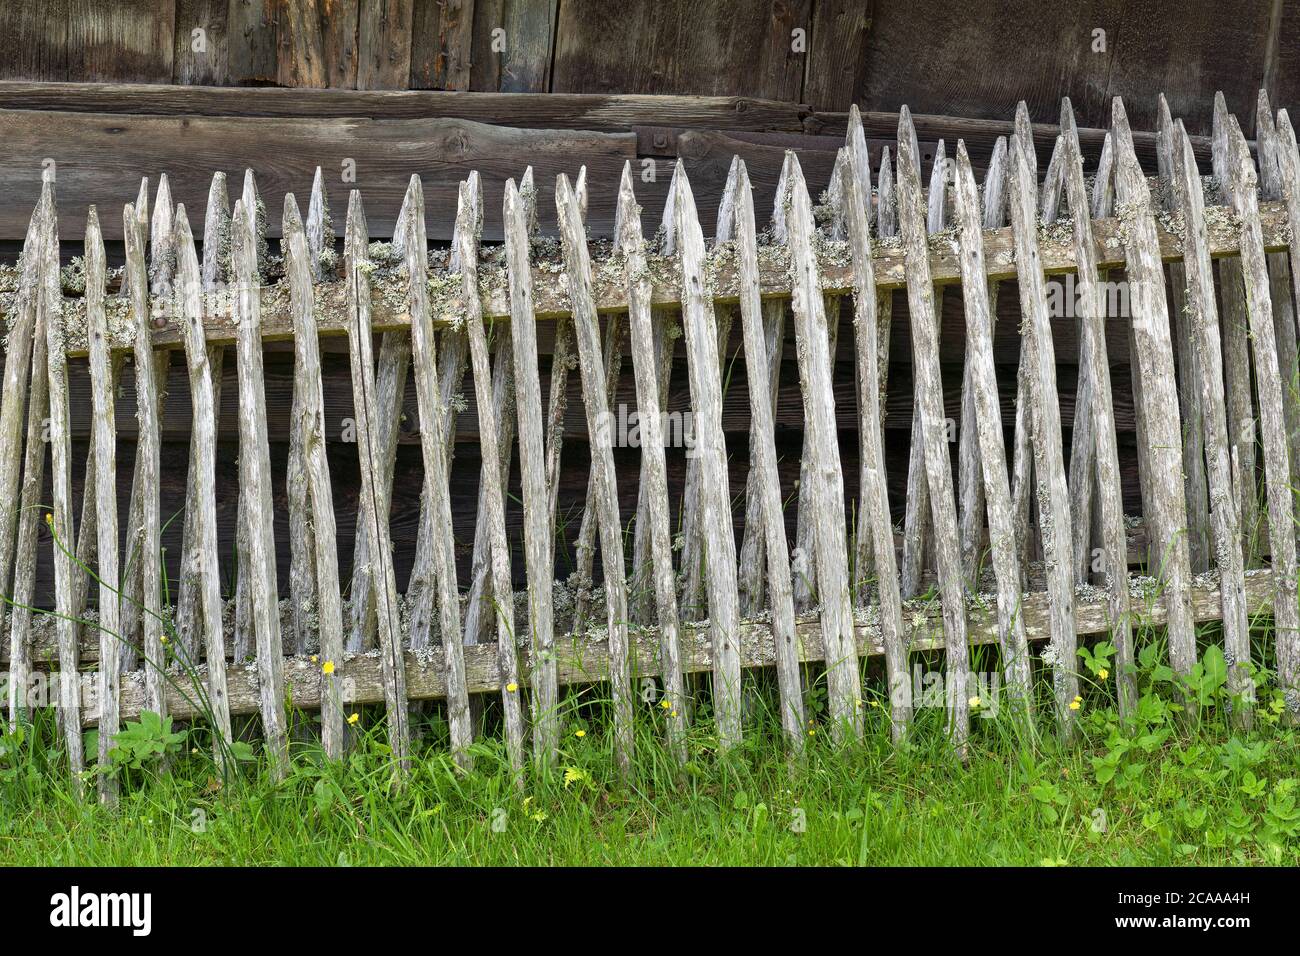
x=575, y=111
x=586, y=659
x=551, y=298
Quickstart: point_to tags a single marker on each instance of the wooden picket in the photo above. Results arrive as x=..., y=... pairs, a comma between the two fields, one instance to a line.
x=811, y=609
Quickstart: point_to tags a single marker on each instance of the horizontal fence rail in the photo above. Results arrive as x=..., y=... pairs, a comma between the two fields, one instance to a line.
x=1023, y=546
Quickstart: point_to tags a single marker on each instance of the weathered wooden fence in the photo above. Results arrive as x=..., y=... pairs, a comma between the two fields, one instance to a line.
x=694, y=601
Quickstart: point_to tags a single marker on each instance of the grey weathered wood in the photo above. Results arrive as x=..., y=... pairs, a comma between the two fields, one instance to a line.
x=144, y=533
x=133, y=607
x=493, y=497
x=918, y=522
x=886, y=227
x=162, y=237
x=302, y=577
x=539, y=545
x=310, y=425
x=692, y=591
x=257, y=565
x=1084, y=473
x=215, y=272
x=982, y=384
x=551, y=296
x=1049, y=466
x=1203, y=321
x=646, y=370
x=1268, y=149
x=320, y=227
x=1104, y=453
x=925, y=361
x=433, y=442
x=390, y=389
x=1189, y=393
x=105, y=482
x=365, y=401
x=664, y=331
x=1236, y=359
x=25, y=555
x=1272, y=421
x=479, y=616
x=594, y=390
x=875, y=494
x=844, y=682
x=202, y=478
x=60, y=520
x=767, y=484
x=970, y=476
x=1166, y=510
x=16, y=393
x=587, y=661
x=700, y=328
x=1022, y=459
x=752, y=567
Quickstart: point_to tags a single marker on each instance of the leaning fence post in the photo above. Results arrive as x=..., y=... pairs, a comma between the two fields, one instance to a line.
x=257, y=563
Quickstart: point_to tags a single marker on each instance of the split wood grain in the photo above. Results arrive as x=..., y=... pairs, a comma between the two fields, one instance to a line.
x=60, y=519
x=1203, y=319
x=13, y=403
x=1272, y=422
x=981, y=379
x=202, y=522
x=493, y=496
x=874, y=514
x=970, y=478
x=539, y=553
x=365, y=402
x=763, y=468
x=1102, y=472
x=925, y=361
x=700, y=327
x=104, y=480
x=433, y=444
x=594, y=392
x=322, y=561
x=647, y=371
x=1166, y=508
x=257, y=565
x=1049, y=465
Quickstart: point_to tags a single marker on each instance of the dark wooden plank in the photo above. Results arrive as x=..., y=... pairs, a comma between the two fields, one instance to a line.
x=1183, y=50
x=837, y=52
x=384, y=44
x=34, y=39
x=284, y=153
x=512, y=45
x=250, y=42
x=201, y=58
x=557, y=111
x=695, y=46
x=441, y=35
x=130, y=41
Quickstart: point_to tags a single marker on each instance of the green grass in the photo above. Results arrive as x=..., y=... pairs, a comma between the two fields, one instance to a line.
x=1170, y=787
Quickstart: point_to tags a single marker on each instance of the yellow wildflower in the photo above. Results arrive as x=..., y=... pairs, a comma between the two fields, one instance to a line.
x=353, y=718
x=511, y=687
x=1103, y=673
x=1076, y=703
x=328, y=668
x=314, y=659
x=579, y=733
x=665, y=703
x=974, y=703
x=673, y=714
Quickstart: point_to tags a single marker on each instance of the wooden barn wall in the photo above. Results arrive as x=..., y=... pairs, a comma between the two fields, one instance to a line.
x=938, y=56
x=973, y=60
